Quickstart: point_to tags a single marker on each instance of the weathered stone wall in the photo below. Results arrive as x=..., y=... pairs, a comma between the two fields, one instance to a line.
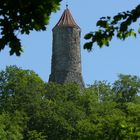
x=66, y=56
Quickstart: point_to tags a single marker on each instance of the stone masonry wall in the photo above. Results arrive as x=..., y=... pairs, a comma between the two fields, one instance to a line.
x=66, y=56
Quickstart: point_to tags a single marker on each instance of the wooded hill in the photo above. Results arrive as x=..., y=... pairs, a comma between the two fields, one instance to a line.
x=31, y=109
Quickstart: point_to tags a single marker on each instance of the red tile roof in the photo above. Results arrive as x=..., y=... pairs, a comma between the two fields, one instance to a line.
x=66, y=20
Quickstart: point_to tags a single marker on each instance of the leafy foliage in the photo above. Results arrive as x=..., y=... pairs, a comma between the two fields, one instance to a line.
x=23, y=16
x=11, y=126
x=126, y=88
x=119, y=26
x=31, y=109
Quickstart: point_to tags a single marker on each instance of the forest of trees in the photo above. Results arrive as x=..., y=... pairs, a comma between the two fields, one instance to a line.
x=31, y=109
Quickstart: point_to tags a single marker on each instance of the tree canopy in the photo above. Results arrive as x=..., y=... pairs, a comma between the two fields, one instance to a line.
x=120, y=25
x=31, y=109
x=21, y=17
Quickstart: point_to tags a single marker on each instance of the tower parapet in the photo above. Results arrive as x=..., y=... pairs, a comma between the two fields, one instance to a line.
x=66, y=54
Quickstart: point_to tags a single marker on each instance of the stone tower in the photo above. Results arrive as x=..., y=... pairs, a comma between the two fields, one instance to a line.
x=66, y=55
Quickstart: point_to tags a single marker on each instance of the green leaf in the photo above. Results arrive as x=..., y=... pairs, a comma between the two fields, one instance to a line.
x=133, y=34
x=88, y=45
x=138, y=30
x=102, y=23
x=88, y=36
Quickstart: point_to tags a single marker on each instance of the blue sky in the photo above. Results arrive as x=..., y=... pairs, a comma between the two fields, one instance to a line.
x=100, y=64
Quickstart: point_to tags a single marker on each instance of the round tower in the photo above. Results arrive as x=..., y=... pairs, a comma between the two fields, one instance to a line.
x=66, y=54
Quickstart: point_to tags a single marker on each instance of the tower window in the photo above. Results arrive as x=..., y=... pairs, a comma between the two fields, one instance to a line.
x=69, y=30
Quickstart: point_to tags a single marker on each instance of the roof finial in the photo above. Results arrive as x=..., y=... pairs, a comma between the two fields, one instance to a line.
x=66, y=4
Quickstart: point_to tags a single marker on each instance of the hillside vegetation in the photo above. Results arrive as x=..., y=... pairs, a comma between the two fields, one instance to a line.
x=31, y=109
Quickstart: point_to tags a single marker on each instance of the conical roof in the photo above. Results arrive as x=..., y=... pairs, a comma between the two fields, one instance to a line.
x=66, y=20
